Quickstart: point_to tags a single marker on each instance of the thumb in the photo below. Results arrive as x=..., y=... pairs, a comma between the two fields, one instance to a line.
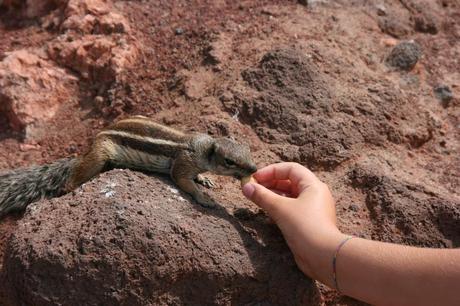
x=264, y=198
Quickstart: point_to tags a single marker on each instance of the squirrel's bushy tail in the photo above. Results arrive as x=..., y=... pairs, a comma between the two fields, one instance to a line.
x=21, y=187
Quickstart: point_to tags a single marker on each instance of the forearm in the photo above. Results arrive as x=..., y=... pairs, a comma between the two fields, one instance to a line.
x=389, y=274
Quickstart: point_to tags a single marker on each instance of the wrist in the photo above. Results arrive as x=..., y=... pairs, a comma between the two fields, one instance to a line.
x=322, y=253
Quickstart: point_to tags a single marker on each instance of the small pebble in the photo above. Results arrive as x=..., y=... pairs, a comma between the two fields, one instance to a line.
x=381, y=10
x=404, y=55
x=443, y=93
x=179, y=31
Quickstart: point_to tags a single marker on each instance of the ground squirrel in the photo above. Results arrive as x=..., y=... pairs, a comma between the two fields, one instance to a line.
x=136, y=143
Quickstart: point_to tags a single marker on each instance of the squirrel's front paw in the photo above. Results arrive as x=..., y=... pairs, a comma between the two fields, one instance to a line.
x=206, y=182
x=205, y=201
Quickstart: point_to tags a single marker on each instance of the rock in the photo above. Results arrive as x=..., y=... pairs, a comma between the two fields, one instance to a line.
x=79, y=11
x=425, y=23
x=291, y=103
x=95, y=45
x=83, y=7
x=418, y=136
x=31, y=8
x=112, y=23
x=421, y=15
x=24, y=147
x=289, y=83
x=405, y=212
x=325, y=143
x=86, y=17
x=194, y=85
x=381, y=9
x=444, y=94
x=83, y=16
x=32, y=88
x=97, y=58
x=405, y=55
x=219, y=50
x=179, y=31
x=392, y=26
x=87, y=23
x=287, y=98
x=112, y=244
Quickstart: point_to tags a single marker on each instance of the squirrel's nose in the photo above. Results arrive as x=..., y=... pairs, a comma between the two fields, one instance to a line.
x=252, y=168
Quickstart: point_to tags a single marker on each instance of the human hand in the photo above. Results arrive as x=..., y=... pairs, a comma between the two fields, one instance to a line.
x=375, y=272
x=303, y=208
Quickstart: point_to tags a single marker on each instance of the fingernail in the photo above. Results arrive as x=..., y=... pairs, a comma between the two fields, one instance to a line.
x=248, y=190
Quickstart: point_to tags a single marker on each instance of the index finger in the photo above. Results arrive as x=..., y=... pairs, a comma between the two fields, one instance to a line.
x=296, y=173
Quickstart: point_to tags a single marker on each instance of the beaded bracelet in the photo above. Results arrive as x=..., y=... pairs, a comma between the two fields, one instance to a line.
x=334, y=262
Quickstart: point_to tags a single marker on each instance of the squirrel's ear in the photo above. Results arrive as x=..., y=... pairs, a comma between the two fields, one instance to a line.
x=212, y=151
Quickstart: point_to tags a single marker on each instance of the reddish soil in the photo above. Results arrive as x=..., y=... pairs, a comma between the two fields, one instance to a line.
x=305, y=84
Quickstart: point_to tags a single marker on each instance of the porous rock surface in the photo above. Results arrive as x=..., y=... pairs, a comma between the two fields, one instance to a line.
x=405, y=55
x=288, y=98
x=129, y=239
x=404, y=211
x=98, y=59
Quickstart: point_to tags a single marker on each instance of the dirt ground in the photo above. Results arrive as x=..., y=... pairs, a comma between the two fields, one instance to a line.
x=305, y=83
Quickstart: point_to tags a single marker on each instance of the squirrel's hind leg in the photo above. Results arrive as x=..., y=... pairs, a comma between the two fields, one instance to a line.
x=92, y=163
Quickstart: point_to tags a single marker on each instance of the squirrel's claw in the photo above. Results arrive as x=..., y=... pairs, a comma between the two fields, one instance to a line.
x=206, y=182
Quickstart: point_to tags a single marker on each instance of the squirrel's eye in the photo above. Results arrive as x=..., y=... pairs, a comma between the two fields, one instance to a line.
x=229, y=162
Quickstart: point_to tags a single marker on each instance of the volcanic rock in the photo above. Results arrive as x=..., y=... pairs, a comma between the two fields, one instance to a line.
x=405, y=55
x=96, y=57
x=129, y=239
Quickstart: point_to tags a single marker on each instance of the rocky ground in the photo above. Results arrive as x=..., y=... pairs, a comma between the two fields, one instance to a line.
x=366, y=94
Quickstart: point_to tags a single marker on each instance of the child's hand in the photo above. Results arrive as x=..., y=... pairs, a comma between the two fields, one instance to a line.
x=303, y=208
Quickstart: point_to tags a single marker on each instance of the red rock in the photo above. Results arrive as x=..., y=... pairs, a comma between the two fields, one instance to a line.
x=390, y=42
x=220, y=49
x=82, y=7
x=113, y=23
x=95, y=57
x=88, y=18
x=85, y=23
x=84, y=16
x=28, y=147
x=32, y=88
